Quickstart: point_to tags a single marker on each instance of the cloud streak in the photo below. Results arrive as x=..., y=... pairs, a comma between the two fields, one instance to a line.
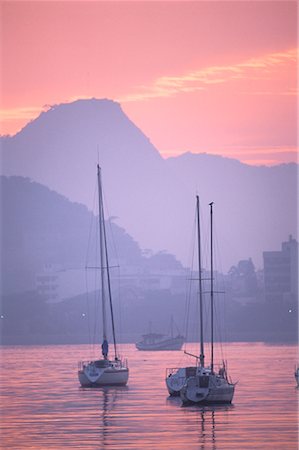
x=259, y=68
x=20, y=113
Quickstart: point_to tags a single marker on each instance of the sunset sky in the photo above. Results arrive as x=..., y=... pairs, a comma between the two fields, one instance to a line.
x=200, y=76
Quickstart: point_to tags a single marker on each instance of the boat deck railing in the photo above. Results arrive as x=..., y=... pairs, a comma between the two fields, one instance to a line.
x=219, y=369
x=115, y=363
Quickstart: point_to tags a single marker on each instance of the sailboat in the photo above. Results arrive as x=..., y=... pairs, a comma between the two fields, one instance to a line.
x=104, y=371
x=208, y=386
x=156, y=341
x=198, y=383
x=176, y=377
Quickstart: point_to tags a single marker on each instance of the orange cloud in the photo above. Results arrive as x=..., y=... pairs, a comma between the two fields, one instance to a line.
x=259, y=68
x=20, y=113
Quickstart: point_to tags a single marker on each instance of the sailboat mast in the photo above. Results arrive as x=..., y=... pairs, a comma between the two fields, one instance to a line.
x=201, y=356
x=109, y=292
x=212, y=290
x=105, y=266
x=102, y=255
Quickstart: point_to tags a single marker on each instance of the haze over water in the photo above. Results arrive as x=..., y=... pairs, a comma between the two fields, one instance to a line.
x=43, y=406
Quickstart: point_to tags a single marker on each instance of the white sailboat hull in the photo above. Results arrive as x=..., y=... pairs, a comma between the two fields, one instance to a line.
x=113, y=375
x=176, y=378
x=217, y=390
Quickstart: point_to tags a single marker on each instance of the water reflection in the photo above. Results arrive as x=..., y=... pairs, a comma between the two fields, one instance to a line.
x=104, y=402
x=207, y=435
x=208, y=420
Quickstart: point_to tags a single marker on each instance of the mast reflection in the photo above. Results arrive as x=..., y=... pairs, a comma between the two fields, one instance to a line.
x=208, y=419
x=105, y=403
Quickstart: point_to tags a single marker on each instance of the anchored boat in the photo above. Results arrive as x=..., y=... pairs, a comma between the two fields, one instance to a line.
x=201, y=383
x=104, y=371
x=208, y=386
x=156, y=341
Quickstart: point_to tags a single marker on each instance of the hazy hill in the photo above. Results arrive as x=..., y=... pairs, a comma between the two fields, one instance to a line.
x=40, y=226
x=61, y=147
x=255, y=207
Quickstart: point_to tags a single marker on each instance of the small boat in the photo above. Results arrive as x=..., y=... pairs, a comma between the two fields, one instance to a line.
x=104, y=371
x=156, y=341
x=296, y=374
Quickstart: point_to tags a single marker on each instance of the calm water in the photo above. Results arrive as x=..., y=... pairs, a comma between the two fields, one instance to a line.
x=43, y=406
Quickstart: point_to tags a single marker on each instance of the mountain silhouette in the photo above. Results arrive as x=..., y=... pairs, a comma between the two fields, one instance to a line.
x=154, y=198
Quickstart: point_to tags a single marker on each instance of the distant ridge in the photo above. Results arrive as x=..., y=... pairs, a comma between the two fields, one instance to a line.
x=255, y=207
x=40, y=227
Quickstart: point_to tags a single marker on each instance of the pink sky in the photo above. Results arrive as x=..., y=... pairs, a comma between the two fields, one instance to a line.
x=215, y=76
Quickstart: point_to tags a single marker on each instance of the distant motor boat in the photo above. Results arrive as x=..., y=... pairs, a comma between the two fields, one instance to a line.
x=156, y=341
x=104, y=371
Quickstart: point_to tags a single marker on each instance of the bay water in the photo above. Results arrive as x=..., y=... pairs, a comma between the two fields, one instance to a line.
x=44, y=407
